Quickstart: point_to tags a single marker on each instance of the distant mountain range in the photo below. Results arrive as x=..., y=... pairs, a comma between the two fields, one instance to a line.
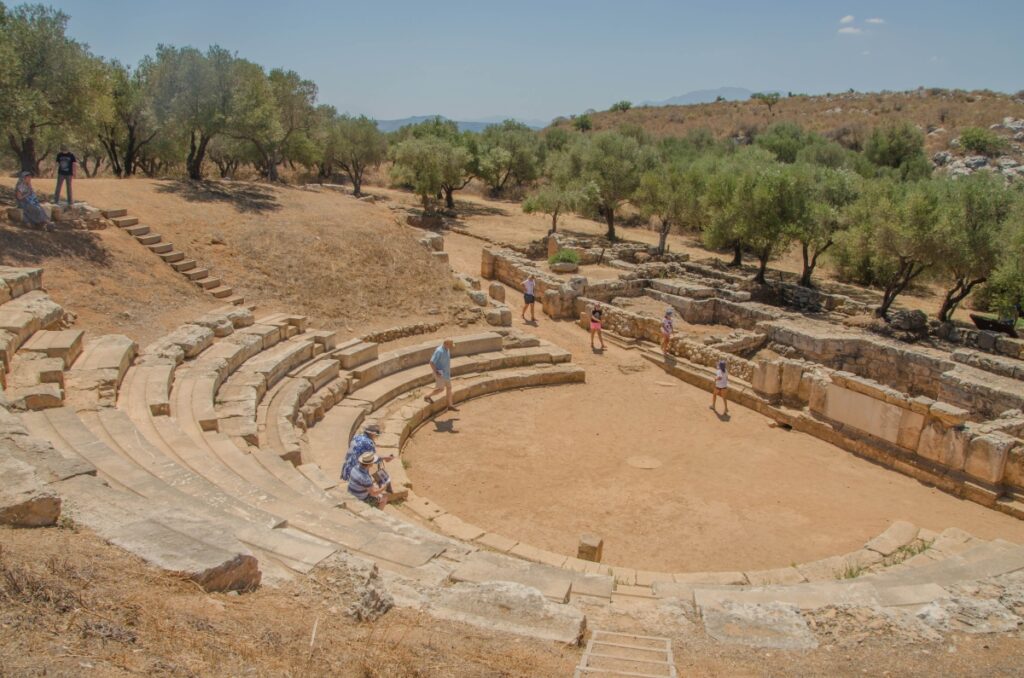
x=471, y=126
x=704, y=96
x=700, y=96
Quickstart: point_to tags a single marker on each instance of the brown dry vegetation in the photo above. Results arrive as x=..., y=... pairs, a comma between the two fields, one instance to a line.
x=347, y=263
x=848, y=117
x=71, y=605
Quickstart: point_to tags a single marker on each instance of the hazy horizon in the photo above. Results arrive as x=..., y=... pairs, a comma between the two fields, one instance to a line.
x=537, y=60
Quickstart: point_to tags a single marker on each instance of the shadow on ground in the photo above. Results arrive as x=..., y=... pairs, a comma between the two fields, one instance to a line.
x=244, y=197
x=464, y=208
x=20, y=246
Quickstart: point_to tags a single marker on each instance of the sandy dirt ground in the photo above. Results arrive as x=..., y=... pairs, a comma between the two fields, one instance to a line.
x=545, y=465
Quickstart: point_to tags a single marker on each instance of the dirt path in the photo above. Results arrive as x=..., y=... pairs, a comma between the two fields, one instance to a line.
x=545, y=465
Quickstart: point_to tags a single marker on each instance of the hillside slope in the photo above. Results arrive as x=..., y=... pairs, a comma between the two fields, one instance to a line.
x=346, y=263
x=849, y=116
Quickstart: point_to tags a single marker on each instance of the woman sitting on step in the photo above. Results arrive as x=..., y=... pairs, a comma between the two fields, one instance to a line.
x=28, y=203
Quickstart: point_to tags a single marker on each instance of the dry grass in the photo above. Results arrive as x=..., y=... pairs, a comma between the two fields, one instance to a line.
x=347, y=263
x=850, y=115
x=70, y=604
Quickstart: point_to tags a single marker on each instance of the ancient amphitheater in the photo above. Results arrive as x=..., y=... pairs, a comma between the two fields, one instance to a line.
x=213, y=452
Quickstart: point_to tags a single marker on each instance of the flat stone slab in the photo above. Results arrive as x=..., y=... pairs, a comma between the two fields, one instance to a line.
x=899, y=534
x=509, y=607
x=770, y=625
x=63, y=344
x=481, y=567
x=645, y=463
x=25, y=501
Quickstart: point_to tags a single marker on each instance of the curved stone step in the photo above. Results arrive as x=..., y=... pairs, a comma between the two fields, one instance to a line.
x=162, y=537
x=173, y=488
x=96, y=376
x=412, y=356
x=16, y=281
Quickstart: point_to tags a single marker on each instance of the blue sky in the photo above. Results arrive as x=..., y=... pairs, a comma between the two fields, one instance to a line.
x=534, y=59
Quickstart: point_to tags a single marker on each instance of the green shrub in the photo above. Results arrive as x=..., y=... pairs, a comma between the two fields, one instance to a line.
x=583, y=123
x=982, y=141
x=621, y=106
x=564, y=257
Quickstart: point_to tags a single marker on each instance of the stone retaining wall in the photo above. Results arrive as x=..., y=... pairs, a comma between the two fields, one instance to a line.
x=635, y=326
x=935, y=434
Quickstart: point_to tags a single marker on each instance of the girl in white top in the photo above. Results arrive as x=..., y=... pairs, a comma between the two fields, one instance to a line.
x=721, y=386
x=529, y=292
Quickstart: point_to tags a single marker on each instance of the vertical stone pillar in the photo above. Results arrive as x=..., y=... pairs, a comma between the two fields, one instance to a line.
x=590, y=547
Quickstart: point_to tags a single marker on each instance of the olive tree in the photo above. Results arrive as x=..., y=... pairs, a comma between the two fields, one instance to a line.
x=892, y=240
x=431, y=166
x=192, y=95
x=355, y=144
x=508, y=152
x=830, y=193
x=50, y=83
x=563, y=190
x=613, y=162
x=671, y=193
x=131, y=124
x=970, y=234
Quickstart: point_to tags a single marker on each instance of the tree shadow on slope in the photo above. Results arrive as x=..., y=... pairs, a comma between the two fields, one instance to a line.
x=20, y=246
x=466, y=208
x=243, y=196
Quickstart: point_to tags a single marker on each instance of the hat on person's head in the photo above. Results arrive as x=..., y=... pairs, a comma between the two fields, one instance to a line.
x=25, y=173
x=372, y=428
x=367, y=458
x=668, y=311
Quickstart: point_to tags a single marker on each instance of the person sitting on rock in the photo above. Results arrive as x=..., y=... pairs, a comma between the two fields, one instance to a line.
x=368, y=485
x=25, y=197
x=361, y=443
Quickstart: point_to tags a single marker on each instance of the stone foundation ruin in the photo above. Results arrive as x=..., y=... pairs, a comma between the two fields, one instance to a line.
x=946, y=412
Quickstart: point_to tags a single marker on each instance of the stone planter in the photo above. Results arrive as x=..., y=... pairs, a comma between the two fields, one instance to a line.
x=564, y=267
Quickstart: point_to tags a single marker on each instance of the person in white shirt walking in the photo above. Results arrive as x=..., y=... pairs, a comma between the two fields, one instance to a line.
x=721, y=386
x=529, y=297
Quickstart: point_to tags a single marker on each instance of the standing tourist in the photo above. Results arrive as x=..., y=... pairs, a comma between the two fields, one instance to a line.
x=666, y=330
x=595, y=326
x=28, y=203
x=529, y=297
x=441, y=364
x=721, y=386
x=67, y=169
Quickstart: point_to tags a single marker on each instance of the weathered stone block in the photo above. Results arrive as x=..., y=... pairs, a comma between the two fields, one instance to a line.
x=947, y=446
x=792, y=373
x=950, y=415
x=590, y=548
x=496, y=291
x=987, y=455
x=1014, y=471
x=767, y=378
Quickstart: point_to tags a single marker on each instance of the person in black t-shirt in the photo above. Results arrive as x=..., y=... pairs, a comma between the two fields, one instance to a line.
x=67, y=169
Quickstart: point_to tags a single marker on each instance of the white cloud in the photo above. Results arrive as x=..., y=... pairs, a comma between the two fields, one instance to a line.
x=875, y=20
x=849, y=30
x=848, y=19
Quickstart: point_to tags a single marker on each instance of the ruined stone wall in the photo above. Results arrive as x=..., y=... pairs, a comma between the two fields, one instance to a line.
x=934, y=434
x=635, y=326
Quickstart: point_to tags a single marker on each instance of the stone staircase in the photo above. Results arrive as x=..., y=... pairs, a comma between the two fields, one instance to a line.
x=214, y=452
x=178, y=260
